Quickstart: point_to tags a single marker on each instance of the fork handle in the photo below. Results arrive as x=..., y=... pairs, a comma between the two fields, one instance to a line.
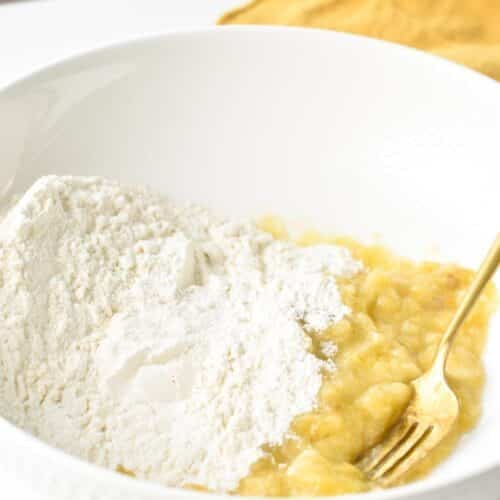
x=484, y=274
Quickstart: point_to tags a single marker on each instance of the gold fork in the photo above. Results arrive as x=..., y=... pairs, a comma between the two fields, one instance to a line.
x=434, y=408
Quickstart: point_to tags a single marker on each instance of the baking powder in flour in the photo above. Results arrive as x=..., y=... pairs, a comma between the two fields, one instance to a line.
x=161, y=338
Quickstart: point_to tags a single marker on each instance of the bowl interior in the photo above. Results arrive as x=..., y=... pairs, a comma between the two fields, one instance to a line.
x=338, y=132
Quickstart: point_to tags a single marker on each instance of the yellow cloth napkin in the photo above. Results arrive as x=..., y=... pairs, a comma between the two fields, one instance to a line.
x=465, y=31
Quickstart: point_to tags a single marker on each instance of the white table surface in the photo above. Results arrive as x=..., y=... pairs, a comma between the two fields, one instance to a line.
x=39, y=32
x=34, y=33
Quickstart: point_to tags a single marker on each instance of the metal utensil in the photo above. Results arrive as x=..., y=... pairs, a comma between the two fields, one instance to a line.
x=434, y=408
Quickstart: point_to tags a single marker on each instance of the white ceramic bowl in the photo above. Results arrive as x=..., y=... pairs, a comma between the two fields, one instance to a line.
x=350, y=134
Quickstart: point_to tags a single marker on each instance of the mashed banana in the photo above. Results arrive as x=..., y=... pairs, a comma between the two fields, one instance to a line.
x=400, y=310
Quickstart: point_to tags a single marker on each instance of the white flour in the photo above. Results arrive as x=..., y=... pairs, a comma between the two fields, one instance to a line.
x=157, y=337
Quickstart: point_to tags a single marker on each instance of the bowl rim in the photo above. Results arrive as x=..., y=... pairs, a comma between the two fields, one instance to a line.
x=138, y=486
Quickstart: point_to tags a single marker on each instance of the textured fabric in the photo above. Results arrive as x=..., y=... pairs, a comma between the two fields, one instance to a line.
x=465, y=31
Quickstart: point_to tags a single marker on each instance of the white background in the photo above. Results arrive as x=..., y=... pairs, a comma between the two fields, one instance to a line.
x=34, y=33
x=38, y=32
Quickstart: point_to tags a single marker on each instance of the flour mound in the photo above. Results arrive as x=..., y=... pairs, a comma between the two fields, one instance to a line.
x=157, y=337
